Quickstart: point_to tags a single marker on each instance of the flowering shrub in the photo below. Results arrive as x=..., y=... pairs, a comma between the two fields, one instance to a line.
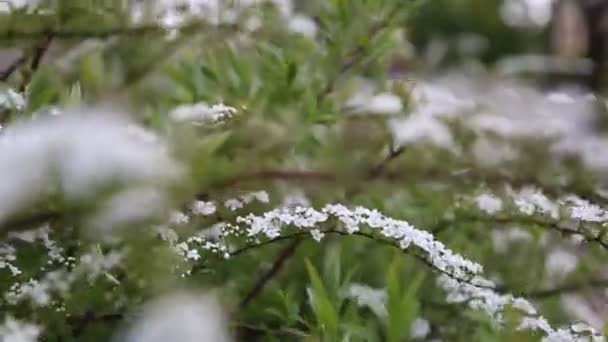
x=265, y=170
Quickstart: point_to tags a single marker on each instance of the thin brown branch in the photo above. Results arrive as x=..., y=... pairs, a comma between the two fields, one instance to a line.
x=6, y=73
x=566, y=288
x=277, y=265
x=378, y=170
x=132, y=31
x=443, y=225
x=39, y=52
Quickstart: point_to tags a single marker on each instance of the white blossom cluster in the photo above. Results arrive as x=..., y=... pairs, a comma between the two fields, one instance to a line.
x=56, y=151
x=234, y=204
x=9, y=5
x=7, y=258
x=210, y=239
x=530, y=201
x=182, y=316
x=172, y=13
x=488, y=203
x=90, y=265
x=271, y=223
x=370, y=297
x=13, y=330
x=461, y=278
x=510, y=111
x=201, y=113
x=11, y=100
x=494, y=304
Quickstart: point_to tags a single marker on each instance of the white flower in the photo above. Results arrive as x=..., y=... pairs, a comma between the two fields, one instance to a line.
x=420, y=328
x=303, y=25
x=201, y=113
x=13, y=330
x=178, y=218
x=421, y=129
x=489, y=203
x=10, y=99
x=317, y=235
x=79, y=154
x=385, y=103
x=530, y=200
x=366, y=296
x=193, y=254
x=582, y=210
x=233, y=204
x=560, y=263
x=183, y=317
x=203, y=208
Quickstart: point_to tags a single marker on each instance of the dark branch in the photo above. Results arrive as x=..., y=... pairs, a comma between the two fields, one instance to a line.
x=6, y=73
x=134, y=31
x=567, y=288
x=39, y=52
x=277, y=265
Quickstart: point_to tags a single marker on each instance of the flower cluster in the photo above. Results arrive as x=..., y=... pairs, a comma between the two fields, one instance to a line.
x=201, y=113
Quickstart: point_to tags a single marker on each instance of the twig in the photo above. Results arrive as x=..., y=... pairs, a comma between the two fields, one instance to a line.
x=141, y=30
x=377, y=170
x=39, y=53
x=567, y=288
x=6, y=73
x=278, y=263
x=443, y=225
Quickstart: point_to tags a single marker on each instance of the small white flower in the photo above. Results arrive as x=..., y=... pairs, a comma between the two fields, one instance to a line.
x=193, y=254
x=489, y=203
x=179, y=218
x=183, y=317
x=201, y=113
x=13, y=330
x=385, y=103
x=560, y=263
x=203, y=208
x=420, y=328
x=366, y=296
x=317, y=234
x=233, y=204
x=10, y=99
x=303, y=25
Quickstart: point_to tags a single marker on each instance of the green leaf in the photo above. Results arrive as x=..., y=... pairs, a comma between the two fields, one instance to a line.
x=402, y=303
x=43, y=90
x=324, y=310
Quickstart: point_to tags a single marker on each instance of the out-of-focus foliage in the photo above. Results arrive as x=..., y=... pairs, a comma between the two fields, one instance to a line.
x=257, y=105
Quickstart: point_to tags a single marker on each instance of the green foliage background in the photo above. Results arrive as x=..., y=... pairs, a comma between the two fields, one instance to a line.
x=290, y=91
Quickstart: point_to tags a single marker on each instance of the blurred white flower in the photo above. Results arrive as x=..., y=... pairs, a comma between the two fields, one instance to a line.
x=183, y=317
x=317, y=235
x=80, y=154
x=203, y=208
x=560, y=263
x=489, y=203
x=420, y=328
x=9, y=98
x=131, y=206
x=13, y=330
x=384, y=103
x=178, y=218
x=201, y=113
x=303, y=25
x=366, y=296
x=420, y=128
